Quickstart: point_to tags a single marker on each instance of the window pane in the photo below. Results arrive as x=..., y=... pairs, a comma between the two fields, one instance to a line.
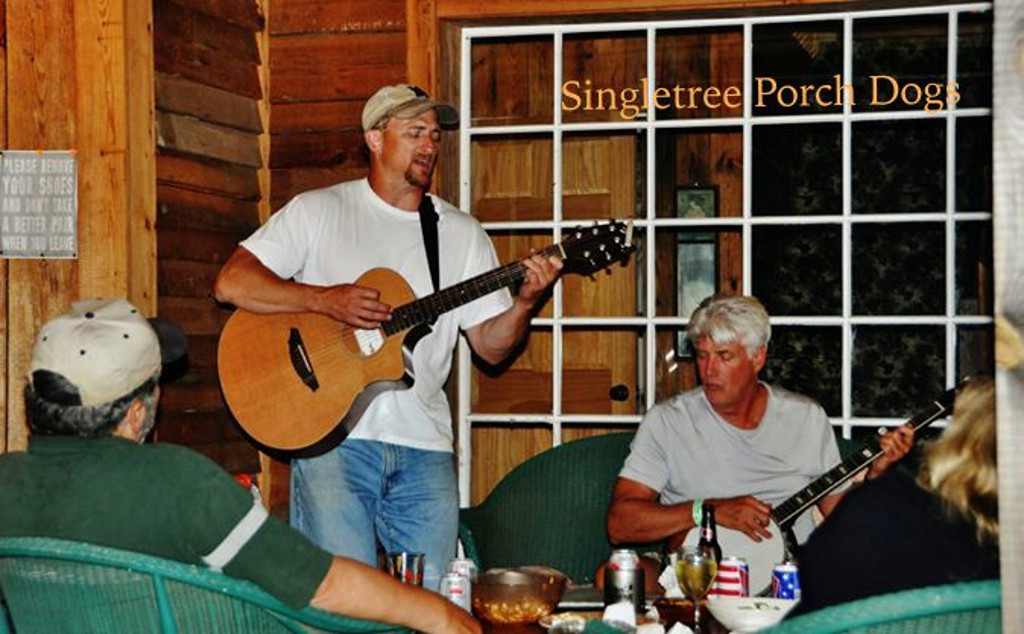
x=899, y=269
x=609, y=292
x=603, y=175
x=797, y=269
x=674, y=366
x=974, y=59
x=512, y=178
x=703, y=159
x=975, y=351
x=524, y=388
x=899, y=62
x=702, y=70
x=512, y=81
x=897, y=370
x=694, y=263
x=974, y=268
x=899, y=167
x=797, y=170
x=808, y=360
x=974, y=164
x=600, y=370
x=602, y=74
x=798, y=68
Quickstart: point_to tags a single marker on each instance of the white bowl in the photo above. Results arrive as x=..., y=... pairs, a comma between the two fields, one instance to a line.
x=748, y=614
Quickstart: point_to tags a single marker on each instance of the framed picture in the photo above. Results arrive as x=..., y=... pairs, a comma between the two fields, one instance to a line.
x=696, y=257
x=698, y=201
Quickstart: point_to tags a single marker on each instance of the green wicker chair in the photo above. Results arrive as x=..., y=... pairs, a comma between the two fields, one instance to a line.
x=550, y=510
x=960, y=608
x=52, y=585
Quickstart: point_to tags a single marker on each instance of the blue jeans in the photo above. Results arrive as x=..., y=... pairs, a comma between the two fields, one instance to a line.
x=363, y=491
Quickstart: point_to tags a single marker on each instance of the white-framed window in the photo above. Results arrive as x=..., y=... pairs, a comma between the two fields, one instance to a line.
x=836, y=165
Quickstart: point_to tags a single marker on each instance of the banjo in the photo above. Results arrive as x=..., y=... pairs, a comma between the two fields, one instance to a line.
x=762, y=556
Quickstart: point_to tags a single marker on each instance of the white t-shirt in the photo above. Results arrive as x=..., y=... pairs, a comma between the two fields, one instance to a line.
x=334, y=235
x=684, y=450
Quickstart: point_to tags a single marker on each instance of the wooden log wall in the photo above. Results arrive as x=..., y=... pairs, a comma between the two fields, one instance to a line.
x=326, y=59
x=208, y=119
x=77, y=75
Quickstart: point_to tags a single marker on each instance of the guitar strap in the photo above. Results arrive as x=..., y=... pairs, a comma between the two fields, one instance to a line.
x=428, y=224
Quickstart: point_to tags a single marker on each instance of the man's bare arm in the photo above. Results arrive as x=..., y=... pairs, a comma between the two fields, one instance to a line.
x=245, y=282
x=354, y=589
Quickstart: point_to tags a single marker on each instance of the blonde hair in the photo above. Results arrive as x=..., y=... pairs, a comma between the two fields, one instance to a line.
x=960, y=466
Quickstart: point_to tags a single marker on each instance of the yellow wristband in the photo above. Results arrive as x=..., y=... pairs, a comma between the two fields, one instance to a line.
x=698, y=506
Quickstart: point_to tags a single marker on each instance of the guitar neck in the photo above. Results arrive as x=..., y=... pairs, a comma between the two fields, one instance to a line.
x=429, y=308
x=787, y=512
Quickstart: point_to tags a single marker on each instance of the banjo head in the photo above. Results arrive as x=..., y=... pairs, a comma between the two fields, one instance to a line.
x=761, y=556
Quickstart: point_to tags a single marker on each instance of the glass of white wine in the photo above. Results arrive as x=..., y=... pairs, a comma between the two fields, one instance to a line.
x=696, y=569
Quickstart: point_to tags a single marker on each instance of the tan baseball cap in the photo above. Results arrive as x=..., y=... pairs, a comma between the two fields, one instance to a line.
x=406, y=102
x=105, y=348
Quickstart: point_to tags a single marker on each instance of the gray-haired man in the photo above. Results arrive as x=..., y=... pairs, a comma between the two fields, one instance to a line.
x=735, y=442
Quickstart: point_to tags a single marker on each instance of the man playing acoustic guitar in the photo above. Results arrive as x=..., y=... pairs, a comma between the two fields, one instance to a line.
x=734, y=442
x=393, y=478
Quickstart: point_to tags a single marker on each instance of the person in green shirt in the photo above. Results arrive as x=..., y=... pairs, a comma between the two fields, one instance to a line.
x=91, y=397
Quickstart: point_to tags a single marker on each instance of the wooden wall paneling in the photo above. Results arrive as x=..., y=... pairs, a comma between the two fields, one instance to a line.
x=243, y=14
x=323, y=148
x=208, y=176
x=140, y=156
x=185, y=208
x=205, y=50
x=195, y=315
x=312, y=116
x=41, y=72
x=317, y=16
x=195, y=136
x=183, y=96
x=193, y=243
x=500, y=448
x=307, y=68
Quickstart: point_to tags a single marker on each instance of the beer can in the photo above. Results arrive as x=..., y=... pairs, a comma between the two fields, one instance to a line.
x=624, y=579
x=457, y=589
x=733, y=579
x=785, y=581
x=463, y=566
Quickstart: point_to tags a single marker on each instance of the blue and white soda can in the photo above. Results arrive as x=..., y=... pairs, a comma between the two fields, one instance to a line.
x=785, y=581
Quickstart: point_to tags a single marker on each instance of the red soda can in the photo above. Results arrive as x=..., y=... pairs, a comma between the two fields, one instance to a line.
x=457, y=589
x=733, y=579
x=785, y=581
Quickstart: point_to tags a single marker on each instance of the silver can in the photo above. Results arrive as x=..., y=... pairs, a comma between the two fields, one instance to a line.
x=457, y=589
x=624, y=579
x=463, y=566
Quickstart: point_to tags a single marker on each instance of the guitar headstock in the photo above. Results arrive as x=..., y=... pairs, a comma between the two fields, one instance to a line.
x=590, y=249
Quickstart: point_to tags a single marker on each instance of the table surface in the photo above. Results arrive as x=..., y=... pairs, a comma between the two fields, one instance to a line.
x=708, y=623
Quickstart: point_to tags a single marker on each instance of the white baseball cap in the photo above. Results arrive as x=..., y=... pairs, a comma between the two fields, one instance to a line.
x=105, y=348
x=406, y=102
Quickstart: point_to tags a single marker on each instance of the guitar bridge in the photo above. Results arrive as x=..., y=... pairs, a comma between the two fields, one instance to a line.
x=300, y=360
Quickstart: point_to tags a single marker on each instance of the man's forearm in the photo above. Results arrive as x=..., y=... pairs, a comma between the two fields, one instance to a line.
x=354, y=589
x=247, y=284
x=500, y=334
x=642, y=521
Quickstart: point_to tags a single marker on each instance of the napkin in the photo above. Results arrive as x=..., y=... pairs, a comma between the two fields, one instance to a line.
x=679, y=628
x=651, y=628
x=623, y=612
x=668, y=580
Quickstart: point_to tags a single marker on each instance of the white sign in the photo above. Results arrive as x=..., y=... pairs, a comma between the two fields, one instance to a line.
x=38, y=204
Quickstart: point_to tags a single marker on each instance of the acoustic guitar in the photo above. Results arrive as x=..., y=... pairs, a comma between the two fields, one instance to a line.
x=299, y=382
x=762, y=556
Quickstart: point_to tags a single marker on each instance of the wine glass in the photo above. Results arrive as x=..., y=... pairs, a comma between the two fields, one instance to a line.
x=696, y=569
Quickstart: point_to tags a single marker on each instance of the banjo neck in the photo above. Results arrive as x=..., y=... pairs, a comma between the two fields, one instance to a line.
x=786, y=513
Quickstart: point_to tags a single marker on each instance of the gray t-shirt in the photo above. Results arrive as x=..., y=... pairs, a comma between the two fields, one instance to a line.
x=684, y=450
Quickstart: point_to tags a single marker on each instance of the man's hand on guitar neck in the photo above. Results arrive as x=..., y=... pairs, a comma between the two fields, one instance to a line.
x=895, y=444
